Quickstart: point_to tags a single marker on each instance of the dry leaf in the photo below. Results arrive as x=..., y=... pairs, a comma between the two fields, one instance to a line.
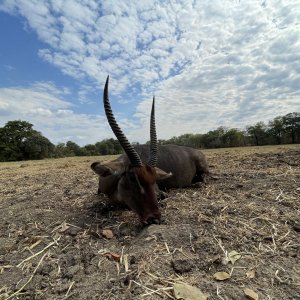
x=107, y=233
x=250, y=274
x=187, y=292
x=251, y=294
x=221, y=276
x=233, y=256
x=115, y=256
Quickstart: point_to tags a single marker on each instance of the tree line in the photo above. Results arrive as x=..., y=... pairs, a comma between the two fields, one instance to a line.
x=19, y=141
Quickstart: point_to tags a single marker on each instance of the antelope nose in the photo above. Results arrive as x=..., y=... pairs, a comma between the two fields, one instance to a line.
x=152, y=220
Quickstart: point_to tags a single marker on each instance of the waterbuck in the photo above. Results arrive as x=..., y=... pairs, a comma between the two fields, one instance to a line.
x=133, y=177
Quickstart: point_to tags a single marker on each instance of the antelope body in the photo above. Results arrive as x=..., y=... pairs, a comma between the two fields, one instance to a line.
x=187, y=165
x=133, y=177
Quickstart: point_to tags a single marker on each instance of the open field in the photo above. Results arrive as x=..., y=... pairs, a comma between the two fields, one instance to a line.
x=52, y=244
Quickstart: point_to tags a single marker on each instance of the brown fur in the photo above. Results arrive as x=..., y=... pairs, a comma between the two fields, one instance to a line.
x=134, y=186
x=146, y=174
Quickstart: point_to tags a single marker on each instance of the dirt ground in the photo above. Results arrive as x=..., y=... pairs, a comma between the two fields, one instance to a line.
x=59, y=240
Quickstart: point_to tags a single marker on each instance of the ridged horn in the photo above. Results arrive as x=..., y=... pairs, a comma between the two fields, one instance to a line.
x=153, y=137
x=128, y=148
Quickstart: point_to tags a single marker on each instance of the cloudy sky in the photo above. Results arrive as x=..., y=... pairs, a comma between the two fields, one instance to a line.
x=209, y=63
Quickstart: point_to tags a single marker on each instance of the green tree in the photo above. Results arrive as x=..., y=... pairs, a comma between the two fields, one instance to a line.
x=18, y=141
x=233, y=138
x=276, y=129
x=189, y=140
x=72, y=149
x=291, y=124
x=108, y=146
x=90, y=150
x=213, y=139
x=60, y=150
x=258, y=133
x=37, y=147
x=13, y=135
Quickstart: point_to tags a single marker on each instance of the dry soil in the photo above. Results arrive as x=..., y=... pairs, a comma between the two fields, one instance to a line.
x=59, y=240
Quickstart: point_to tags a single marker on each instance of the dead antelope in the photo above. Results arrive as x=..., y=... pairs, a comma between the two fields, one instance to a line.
x=133, y=177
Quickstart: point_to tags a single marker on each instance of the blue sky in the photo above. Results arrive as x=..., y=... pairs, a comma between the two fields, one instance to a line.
x=209, y=64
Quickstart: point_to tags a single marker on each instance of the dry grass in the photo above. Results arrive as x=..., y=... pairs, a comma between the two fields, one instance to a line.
x=51, y=246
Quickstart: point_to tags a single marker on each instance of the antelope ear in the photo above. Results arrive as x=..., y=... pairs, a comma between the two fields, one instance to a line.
x=115, y=165
x=101, y=170
x=108, y=168
x=160, y=174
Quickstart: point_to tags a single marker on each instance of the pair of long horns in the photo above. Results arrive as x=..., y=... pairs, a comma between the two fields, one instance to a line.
x=128, y=148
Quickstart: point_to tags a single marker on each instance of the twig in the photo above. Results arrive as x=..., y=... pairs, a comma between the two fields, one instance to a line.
x=69, y=289
x=118, y=268
x=29, y=280
x=72, y=225
x=281, y=192
x=139, y=284
x=65, y=247
x=222, y=248
x=158, y=290
x=122, y=254
x=277, y=277
x=159, y=278
x=218, y=293
x=36, y=254
x=2, y=268
x=284, y=236
x=125, y=262
x=167, y=247
x=191, y=244
x=170, y=296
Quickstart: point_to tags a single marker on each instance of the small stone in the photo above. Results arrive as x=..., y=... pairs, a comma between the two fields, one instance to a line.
x=182, y=265
x=107, y=233
x=72, y=271
x=132, y=260
x=73, y=231
x=46, y=269
x=296, y=227
x=127, y=279
x=6, y=245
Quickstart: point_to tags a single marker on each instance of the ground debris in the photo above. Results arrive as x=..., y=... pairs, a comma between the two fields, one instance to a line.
x=188, y=292
x=246, y=224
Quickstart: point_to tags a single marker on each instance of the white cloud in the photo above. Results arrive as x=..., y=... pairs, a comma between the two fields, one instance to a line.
x=50, y=114
x=39, y=112
x=210, y=63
